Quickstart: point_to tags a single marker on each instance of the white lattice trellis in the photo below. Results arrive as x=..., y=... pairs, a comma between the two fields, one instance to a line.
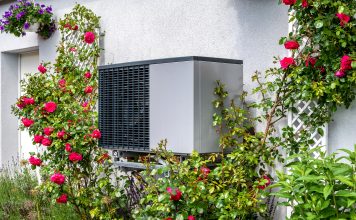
x=297, y=124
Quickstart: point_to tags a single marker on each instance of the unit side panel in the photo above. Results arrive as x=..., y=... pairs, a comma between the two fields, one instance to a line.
x=231, y=76
x=171, y=105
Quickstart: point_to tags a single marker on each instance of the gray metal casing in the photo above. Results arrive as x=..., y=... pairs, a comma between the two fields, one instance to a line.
x=181, y=110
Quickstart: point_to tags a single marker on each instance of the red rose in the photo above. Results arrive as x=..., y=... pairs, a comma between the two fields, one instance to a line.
x=46, y=142
x=35, y=161
x=191, y=217
x=96, y=134
x=67, y=26
x=286, y=62
x=60, y=134
x=344, y=19
x=205, y=171
x=28, y=101
x=50, y=107
x=42, y=69
x=75, y=157
x=38, y=139
x=88, y=89
x=68, y=147
x=58, y=178
x=291, y=45
x=169, y=218
x=311, y=61
x=75, y=28
x=289, y=2
x=20, y=104
x=266, y=179
x=62, y=199
x=62, y=83
x=87, y=75
x=89, y=37
x=84, y=104
x=346, y=63
x=305, y=3
x=27, y=122
x=340, y=74
x=174, y=196
x=48, y=131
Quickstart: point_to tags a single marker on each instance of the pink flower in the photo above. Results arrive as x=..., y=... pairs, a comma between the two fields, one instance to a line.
x=346, y=63
x=344, y=19
x=311, y=61
x=89, y=37
x=72, y=49
x=175, y=196
x=265, y=178
x=58, y=178
x=50, y=107
x=87, y=75
x=48, y=131
x=75, y=157
x=35, y=161
x=96, y=134
x=289, y=2
x=42, y=69
x=60, y=134
x=88, y=89
x=291, y=45
x=38, y=139
x=28, y=101
x=85, y=104
x=20, y=104
x=46, y=142
x=340, y=74
x=286, y=62
x=305, y=3
x=62, y=199
x=27, y=122
x=191, y=217
x=62, y=83
x=205, y=171
x=68, y=147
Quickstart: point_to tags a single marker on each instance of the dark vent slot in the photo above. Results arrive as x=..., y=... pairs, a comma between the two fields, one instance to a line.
x=124, y=107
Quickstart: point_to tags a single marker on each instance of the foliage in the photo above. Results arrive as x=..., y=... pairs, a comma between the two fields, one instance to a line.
x=321, y=187
x=225, y=185
x=20, y=200
x=59, y=105
x=23, y=14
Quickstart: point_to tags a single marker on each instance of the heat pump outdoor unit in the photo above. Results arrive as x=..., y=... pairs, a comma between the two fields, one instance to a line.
x=141, y=103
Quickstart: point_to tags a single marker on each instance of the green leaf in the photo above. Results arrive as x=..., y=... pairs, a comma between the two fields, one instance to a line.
x=327, y=190
x=321, y=131
x=345, y=180
x=346, y=193
x=311, y=178
x=319, y=24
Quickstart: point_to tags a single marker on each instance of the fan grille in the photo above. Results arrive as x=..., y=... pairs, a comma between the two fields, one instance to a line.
x=124, y=107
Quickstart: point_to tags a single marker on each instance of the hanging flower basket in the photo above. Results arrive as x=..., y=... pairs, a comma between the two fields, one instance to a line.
x=26, y=16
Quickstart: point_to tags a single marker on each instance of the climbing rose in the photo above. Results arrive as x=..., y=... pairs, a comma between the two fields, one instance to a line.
x=60, y=134
x=46, y=142
x=42, y=69
x=88, y=89
x=96, y=134
x=75, y=28
x=35, y=161
x=286, y=62
x=169, y=218
x=89, y=37
x=344, y=19
x=289, y=2
x=28, y=101
x=68, y=147
x=305, y=3
x=311, y=61
x=48, y=130
x=174, y=196
x=266, y=184
x=58, y=178
x=72, y=49
x=38, y=139
x=62, y=199
x=87, y=75
x=27, y=122
x=340, y=74
x=191, y=217
x=75, y=157
x=62, y=83
x=346, y=63
x=291, y=45
x=205, y=171
x=50, y=107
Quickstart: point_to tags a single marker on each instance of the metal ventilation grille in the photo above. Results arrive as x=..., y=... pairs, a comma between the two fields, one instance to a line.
x=124, y=107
